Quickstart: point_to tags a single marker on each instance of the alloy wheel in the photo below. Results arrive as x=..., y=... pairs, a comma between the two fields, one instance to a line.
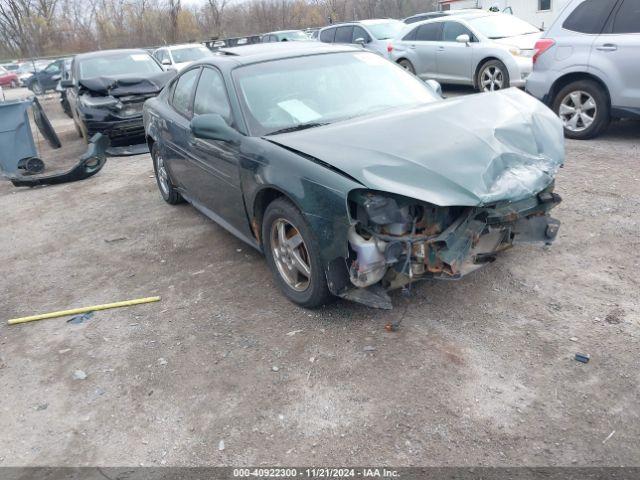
x=578, y=111
x=163, y=178
x=492, y=79
x=36, y=88
x=290, y=255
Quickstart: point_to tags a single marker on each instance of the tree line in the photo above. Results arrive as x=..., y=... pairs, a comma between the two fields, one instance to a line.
x=35, y=28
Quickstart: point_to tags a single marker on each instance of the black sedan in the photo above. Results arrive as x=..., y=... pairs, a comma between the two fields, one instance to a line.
x=106, y=90
x=351, y=175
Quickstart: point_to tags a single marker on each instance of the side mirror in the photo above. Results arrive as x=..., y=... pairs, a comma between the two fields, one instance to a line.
x=67, y=83
x=435, y=86
x=464, y=38
x=360, y=41
x=166, y=61
x=212, y=126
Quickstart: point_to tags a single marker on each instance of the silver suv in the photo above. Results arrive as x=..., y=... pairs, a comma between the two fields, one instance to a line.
x=587, y=65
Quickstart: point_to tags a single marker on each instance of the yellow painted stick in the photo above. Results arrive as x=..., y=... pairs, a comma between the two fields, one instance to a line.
x=76, y=311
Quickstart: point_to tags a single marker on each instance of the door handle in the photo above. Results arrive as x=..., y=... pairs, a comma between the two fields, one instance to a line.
x=607, y=47
x=412, y=46
x=440, y=48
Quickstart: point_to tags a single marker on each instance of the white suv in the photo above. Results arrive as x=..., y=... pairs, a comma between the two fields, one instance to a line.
x=587, y=66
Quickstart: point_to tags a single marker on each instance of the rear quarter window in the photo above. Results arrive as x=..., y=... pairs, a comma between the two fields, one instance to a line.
x=589, y=17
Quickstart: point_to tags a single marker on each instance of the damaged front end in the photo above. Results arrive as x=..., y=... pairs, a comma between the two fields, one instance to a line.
x=395, y=240
x=113, y=107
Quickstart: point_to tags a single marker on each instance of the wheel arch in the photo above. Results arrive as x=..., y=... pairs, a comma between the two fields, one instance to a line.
x=568, y=78
x=261, y=200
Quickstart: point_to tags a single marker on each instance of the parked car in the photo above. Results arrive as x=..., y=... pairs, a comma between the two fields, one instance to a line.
x=26, y=70
x=373, y=34
x=285, y=36
x=106, y=90
x=65, y=74
x=351, y=175
x=46, y=79
x=431, y=15
x=8, y=79
x=587, y=65
x=489, y=51
x=176, y=57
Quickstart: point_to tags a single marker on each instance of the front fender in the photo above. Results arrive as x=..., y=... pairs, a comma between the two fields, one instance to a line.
x=318, y=191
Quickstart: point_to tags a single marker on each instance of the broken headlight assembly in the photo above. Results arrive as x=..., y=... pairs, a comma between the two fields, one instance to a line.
x=394, y=240
x=124, y=107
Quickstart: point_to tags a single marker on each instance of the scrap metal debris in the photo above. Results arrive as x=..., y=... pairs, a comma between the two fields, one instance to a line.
x=583, y=357
x=77, y=319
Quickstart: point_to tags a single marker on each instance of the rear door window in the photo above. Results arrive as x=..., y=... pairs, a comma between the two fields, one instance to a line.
x=183, y=91
x=344, y=34
x=590, y=16
x=411, y=35
x=328, y=35
x=627, y=19
x=430, y=32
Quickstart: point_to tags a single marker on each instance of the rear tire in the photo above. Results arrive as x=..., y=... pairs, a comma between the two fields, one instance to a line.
x=493, y=75
x=407, y=65
x=583, y=107
x=167, y=190
x=308, y=289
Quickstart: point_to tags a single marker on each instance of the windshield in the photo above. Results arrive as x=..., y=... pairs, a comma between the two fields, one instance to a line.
x=190, y=54
x=322, y=89
x=295, y=35
x=384, y=31
x=123, y=64
x=502, y=26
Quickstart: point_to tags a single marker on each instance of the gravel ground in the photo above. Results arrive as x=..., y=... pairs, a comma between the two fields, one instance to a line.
x=225, y=371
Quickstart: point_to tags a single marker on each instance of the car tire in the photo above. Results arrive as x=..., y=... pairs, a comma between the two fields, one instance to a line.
x=407, y=65
x=165, y=185
x=36, y=88
x=574, y=104
x=306, y=287
x=492, y=75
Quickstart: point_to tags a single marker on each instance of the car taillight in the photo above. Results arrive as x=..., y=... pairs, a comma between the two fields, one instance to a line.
x=542, y=46
x=389, y=48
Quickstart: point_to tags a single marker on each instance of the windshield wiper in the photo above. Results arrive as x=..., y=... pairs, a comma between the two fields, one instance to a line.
x=300, y=126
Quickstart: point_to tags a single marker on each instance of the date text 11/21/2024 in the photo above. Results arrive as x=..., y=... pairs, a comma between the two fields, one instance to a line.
x=320, y=472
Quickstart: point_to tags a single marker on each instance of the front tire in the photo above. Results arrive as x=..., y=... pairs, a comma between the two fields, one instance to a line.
x=407, y=65
x=293, y=255
x=583, y=107
x=36, y=88
x=493, y=75
x=167, y=190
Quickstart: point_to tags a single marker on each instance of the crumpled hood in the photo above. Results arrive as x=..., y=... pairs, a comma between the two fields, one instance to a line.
x=118, y=85
x=466, y=151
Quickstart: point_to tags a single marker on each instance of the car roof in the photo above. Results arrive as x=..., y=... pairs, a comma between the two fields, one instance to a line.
x=106, y=53
x=282, y=31
x=182, y=45
x=262, y=52
x=471, y=15
x=370, y=21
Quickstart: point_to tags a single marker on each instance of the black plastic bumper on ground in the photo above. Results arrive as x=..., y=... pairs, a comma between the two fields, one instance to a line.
x=89, y=164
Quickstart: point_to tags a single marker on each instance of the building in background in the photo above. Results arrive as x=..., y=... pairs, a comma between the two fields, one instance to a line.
x=540, y=13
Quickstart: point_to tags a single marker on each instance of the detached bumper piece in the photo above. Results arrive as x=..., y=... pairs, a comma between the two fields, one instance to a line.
x=89, y=164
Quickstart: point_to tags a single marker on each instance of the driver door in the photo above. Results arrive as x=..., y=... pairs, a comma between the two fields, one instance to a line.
x=454, y=59
x=215, y=165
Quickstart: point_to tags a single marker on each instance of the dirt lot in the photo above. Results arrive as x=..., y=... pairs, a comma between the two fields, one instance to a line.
x=481, y=371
